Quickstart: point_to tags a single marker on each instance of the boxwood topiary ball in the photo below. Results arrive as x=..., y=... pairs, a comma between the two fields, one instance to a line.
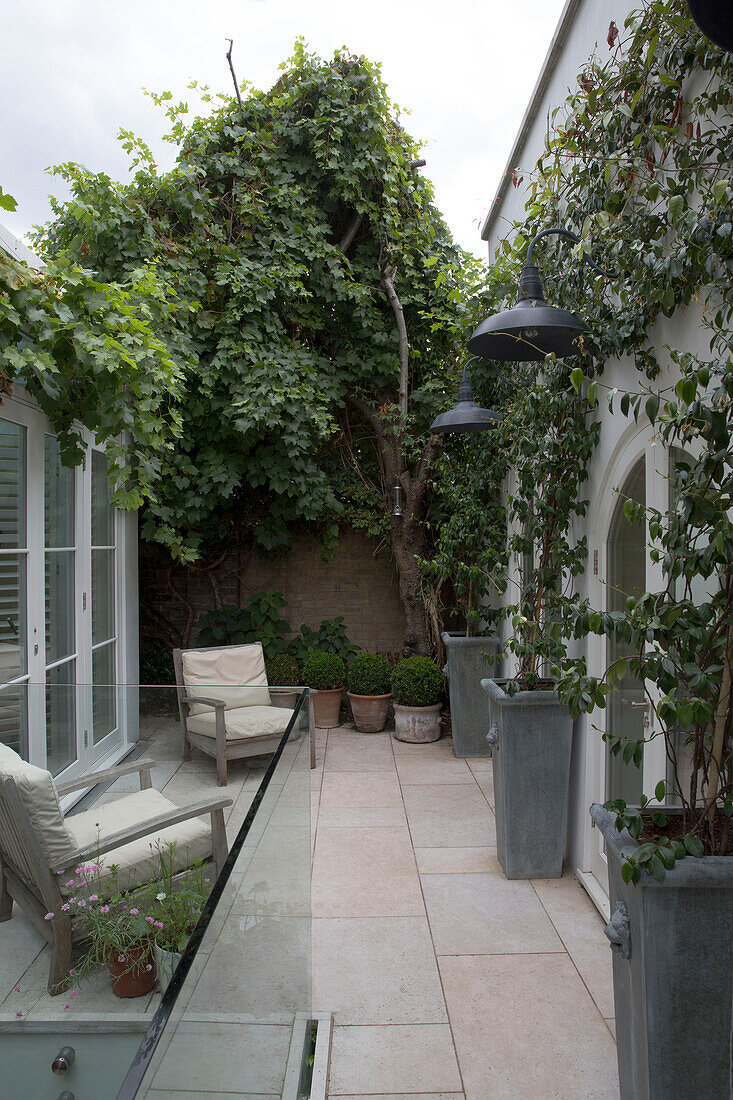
x=417, y=682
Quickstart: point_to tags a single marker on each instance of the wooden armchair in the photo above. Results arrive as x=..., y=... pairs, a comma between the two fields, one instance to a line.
x=226, y=705
x=39, y=846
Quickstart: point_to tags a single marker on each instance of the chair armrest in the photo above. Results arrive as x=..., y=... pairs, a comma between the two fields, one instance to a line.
x=102, y=777
x=200, y=699
x=136, y=832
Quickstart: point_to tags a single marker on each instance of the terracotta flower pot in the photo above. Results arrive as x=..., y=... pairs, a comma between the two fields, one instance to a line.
x=417, y=724
x=132, y=970
x=326, y=708
x=370, y=711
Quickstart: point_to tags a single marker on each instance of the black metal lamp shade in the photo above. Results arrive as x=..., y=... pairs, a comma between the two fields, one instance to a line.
x=526, y=333
x=715, y=20
x=466, y=416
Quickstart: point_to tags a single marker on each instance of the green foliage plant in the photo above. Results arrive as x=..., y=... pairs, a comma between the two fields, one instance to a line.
x=282, y=670
x=324, y=672
x=369, y=675
x=417, y=682
x=637, y=162
x=173, y=908
x=330, y=637
x=259, y=621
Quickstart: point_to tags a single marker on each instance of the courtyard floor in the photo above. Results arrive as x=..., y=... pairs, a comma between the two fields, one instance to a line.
x=445, y=980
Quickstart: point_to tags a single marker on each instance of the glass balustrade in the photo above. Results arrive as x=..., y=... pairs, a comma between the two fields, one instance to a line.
x=225, y=953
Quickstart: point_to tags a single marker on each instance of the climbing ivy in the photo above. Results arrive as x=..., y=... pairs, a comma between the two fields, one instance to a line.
x=637, y=162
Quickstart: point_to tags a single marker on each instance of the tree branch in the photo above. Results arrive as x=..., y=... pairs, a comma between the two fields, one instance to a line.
x=386, y=278
x=348, y=237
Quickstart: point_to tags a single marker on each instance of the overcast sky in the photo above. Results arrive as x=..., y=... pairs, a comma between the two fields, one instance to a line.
x=72, y=73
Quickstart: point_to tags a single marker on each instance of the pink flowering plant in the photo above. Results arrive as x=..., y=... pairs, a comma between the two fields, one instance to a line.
x=106, y=920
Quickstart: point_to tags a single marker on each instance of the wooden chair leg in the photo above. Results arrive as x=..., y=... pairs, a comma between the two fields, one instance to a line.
x=186, y=745
x=221, y=769
x=58, y=974
x=219, y=846
x=6, y=901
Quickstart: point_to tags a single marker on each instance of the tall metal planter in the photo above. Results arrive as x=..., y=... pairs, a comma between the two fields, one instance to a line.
x=469, y=710
x=531, y=736
x=672, y=948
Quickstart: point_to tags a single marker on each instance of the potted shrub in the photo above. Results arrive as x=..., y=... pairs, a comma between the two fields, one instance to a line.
x=369, y=692
x=325, y=673
x=670, y=867
x=470, y=552
x=530, y=730
x=417, y=688
x=282, y=671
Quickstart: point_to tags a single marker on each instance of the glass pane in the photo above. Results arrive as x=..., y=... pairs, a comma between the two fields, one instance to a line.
x=13, y=655
x=104, y=704
x=61, y=717
x=626, y=577
x=58, y=497
x=14, y=718
x=103, y=595
x=12, y=485
x=102, y=511
x=59, y=604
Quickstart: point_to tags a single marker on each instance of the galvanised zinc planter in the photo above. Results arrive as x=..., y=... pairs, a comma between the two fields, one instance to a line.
x=531, y=736
x=469, y=710
x=672, y=948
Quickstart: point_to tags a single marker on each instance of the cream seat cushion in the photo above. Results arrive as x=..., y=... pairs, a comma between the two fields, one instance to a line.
x=244, y=723
x=235, y=674
x=136, y=861
x=35, y=786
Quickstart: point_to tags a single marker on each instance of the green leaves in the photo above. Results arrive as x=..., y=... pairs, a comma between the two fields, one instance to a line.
x=7, y=202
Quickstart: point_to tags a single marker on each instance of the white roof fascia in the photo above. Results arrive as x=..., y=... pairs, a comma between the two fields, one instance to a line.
x=559, y=39
x=14, y=247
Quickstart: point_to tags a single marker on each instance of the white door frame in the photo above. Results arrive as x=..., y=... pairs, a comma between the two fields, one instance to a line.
x=636, y=442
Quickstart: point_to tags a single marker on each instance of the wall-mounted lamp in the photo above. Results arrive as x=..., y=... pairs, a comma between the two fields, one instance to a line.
x=715, y=20
x=466, y=416
x=531, y=329
x=397, y=498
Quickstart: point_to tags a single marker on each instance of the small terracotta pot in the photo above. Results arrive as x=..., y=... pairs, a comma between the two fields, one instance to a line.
x=326, y=708
x=370, y=711
x=128, y=968
x=286, y=699
x=417, y=724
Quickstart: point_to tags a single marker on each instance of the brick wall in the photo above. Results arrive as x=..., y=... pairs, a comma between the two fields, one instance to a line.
x=357, y=582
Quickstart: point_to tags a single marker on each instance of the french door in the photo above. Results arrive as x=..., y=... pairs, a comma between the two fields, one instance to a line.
x=59, y=599
x=625, y=569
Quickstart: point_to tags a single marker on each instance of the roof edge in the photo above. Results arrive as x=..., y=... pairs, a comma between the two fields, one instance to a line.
x=18, y=250
x=559, y=39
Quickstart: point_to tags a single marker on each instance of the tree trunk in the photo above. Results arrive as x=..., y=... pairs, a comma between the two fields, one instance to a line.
x=408, y=540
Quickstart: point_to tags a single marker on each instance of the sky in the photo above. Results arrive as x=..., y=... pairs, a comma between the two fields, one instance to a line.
x=72, y=73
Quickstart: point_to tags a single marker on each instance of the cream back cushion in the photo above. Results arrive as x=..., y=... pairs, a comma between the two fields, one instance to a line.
x=36, y=788
x=231, y=674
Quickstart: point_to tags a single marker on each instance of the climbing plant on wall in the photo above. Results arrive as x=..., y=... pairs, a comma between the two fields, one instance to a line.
x=320, y=303
x=638, y=162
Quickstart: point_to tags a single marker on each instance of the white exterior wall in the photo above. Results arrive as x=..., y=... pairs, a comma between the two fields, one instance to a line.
x=622, y=441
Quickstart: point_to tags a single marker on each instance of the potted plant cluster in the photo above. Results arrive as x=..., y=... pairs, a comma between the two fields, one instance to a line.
x=369, y=692
x=325, y=674
x=282, y=671
x=417, y=689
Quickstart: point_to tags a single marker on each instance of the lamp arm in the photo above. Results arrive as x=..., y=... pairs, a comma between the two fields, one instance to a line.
x=517, y=381
x=560, y=232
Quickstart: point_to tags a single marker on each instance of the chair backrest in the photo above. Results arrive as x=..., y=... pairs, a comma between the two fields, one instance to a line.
x=229, y=673
x=37, y=793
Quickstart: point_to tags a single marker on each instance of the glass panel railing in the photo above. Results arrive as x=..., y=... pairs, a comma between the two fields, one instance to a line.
x=158, y=923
